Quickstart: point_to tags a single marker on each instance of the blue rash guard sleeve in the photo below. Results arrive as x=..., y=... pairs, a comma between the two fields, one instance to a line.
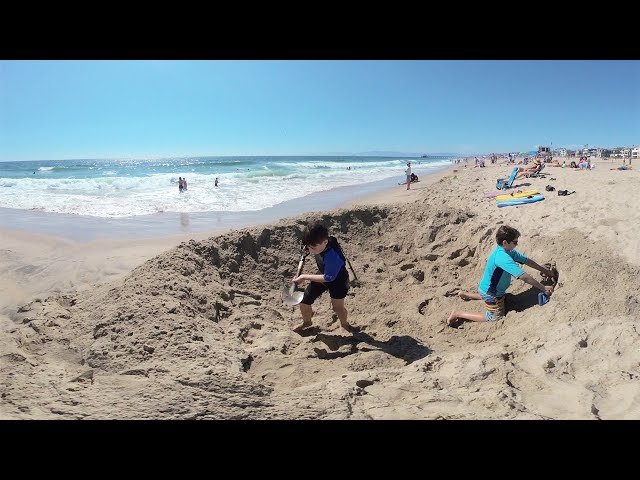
x=507, y=262
x=519, y=257
x=332, y=265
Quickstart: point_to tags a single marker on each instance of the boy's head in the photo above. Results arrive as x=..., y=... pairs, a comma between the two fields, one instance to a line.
x=507, y=237
x=315, y=237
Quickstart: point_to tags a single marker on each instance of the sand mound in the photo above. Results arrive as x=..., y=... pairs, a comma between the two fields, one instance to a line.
x=200, y=331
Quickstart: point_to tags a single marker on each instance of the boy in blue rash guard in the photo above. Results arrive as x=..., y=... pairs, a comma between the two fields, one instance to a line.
x=501, y=266
x=333, y=277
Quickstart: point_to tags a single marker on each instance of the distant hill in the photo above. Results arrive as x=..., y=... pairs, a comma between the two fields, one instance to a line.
x=384, y=153
x=378, y=153
x=444, y=154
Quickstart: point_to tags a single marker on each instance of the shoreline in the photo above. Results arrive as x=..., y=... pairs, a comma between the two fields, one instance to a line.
x=48, y=253
x=83, y=229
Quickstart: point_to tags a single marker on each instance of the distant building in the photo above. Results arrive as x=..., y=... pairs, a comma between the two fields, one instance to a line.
x=598, y=152
x=616, y=152
x=544, y=151
x=560, y=152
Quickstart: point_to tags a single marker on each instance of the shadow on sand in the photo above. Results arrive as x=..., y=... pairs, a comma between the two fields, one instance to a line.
x=525, y=184
x=405, y=347
x=522, y=301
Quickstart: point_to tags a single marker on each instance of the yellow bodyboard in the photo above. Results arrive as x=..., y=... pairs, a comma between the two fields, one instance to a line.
x=517, y=194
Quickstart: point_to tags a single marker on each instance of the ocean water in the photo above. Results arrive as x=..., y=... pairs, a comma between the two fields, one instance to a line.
x=128, y=188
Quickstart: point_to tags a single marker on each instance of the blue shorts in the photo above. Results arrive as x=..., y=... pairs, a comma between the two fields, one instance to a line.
x=495, y=307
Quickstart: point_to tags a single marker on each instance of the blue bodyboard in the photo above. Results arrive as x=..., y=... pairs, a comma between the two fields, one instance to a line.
x=519, y=201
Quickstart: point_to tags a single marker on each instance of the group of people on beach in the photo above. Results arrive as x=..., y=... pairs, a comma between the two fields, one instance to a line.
x=182, y=184
x=583, y=164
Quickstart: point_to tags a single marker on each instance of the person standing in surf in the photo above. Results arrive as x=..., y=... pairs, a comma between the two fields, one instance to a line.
x=407, y=172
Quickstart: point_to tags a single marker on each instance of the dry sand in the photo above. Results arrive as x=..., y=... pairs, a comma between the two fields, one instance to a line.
x=199, y=331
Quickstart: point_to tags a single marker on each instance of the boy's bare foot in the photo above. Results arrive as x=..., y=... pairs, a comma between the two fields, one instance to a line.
x=349, y=328
x=464, y=296
x=301, y=327
x=304, y=324
x=452, y=318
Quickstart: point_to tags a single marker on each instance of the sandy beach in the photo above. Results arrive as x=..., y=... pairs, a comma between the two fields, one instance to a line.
x=191, y=325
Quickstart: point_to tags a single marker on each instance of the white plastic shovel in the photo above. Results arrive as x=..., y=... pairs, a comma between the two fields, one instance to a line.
x=291, y=296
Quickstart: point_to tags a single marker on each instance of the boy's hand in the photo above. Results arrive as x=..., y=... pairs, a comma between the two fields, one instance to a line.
x=299, y=279
x=548, y=290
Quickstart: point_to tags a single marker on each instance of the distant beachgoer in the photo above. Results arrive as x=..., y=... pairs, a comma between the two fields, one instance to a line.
x=407, y=173
x=184, y=183
x=180, y=185
x=501, y=266
x=216, y=182
x=529, y=169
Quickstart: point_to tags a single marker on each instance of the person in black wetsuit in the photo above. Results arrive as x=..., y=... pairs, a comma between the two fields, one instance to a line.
x=333, y=275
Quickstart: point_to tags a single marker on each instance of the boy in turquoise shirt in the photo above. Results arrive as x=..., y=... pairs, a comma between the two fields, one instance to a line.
x=501, y=266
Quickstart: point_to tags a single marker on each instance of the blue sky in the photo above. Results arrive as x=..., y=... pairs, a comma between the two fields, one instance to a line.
x=147, y=109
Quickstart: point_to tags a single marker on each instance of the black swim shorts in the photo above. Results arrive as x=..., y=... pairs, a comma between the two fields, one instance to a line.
x=337, y=289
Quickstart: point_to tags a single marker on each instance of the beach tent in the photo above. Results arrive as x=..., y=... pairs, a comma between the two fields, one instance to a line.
x=532, y=152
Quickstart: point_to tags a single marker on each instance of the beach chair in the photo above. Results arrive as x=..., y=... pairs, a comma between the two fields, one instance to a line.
x=504, y=183
x=537, y=172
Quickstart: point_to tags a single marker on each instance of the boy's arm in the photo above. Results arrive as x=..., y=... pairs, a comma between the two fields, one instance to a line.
x=525, y=277
x=312, y=278
x=532, y=264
